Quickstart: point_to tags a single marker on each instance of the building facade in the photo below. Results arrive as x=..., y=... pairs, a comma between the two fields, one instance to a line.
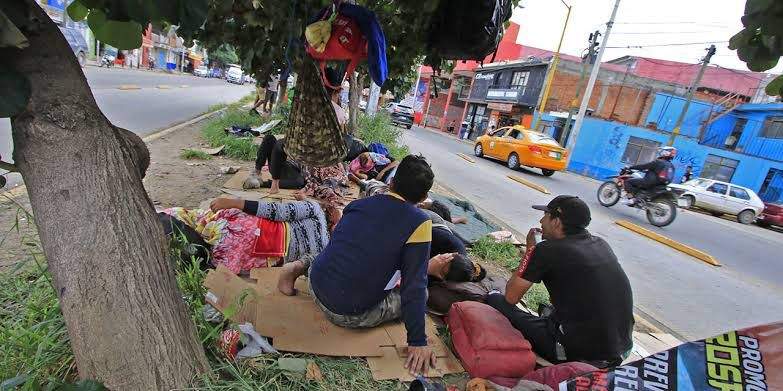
x=743, y=145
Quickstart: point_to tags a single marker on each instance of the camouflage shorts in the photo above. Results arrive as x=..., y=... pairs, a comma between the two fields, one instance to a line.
x=387, y=310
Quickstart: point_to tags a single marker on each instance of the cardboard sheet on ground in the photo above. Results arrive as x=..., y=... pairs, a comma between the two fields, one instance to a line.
x=296, y=324
x=234, y=187
x=477, y=225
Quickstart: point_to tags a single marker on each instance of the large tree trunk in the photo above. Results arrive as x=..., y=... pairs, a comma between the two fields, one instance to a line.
x=128, y=325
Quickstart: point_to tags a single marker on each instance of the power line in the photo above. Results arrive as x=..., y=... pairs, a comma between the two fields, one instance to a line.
x=678, y=65
x=666, y=32
x=663, y=45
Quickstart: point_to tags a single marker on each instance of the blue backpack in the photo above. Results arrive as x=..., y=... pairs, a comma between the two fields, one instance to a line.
x=378, y=148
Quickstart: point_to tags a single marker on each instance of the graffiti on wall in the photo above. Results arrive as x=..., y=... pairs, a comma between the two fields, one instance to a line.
x=685, y=158
x=612, y=152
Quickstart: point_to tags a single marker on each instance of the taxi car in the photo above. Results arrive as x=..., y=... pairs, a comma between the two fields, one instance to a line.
x=519, y=146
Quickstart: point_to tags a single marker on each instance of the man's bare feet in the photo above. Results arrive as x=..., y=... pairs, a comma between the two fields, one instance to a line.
x=459, y=220
x=275, y=187
x=291, y=271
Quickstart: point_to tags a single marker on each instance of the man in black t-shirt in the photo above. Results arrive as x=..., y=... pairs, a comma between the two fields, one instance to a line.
x=592, y=319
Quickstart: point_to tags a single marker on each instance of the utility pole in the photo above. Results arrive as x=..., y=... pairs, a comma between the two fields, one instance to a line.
x=591, y=82
x=704, y=62
x=553, y=68
x=590, y=59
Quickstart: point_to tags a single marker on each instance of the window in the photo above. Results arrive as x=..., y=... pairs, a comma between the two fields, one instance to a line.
x=639, y=150
x=739, y=193
x=540, y=138
x=515, y=134
x=773, y=128
x=719, y=168
x=719, y=188
x=736, y=133
x=519, y=79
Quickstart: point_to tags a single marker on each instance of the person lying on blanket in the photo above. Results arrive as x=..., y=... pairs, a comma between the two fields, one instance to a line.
x=380, y=241
x=232, y=227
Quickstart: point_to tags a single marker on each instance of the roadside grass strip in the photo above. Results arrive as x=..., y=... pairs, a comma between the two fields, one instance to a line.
x=698, y=254
x=466, y=157
x=532, y=185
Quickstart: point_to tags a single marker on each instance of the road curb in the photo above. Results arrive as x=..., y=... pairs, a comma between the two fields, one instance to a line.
x=696, y=253
x=22, y=189
x=466, y=158
x=532, y=185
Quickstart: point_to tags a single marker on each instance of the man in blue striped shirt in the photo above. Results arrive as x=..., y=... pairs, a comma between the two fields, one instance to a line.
x=374, y=268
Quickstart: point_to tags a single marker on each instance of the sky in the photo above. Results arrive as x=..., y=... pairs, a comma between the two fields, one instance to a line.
x=638, y=23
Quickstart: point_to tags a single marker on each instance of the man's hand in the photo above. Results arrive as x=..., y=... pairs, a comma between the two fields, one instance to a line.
x=531, y=237
x=299, y=196
x=437, y=265
x=226, y=203
x=420, y=360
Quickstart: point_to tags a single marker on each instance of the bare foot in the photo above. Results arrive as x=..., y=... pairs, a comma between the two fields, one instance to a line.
x=275, y=187
x=459, y=220
x=291, y=271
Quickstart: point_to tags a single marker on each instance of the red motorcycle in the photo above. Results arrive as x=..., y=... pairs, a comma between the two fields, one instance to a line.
x=659, y=203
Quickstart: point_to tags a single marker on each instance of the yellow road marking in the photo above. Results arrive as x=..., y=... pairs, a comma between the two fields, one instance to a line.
x=698, y=254
x=466, y=157
x=184, y=86
x=529, y=184
x=129, y=87
x=163, y=86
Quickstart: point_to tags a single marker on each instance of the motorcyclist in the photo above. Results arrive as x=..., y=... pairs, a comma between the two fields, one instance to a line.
x=657, y=172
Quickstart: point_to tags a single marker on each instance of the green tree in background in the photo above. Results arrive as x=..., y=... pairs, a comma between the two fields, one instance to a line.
x=224, y=55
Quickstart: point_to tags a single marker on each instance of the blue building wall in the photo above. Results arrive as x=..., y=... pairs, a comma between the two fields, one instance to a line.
x=751, y=142
x=666, y=109
x=601, y=145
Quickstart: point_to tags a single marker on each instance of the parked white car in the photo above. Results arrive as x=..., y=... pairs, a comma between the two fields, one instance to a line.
x=720, y=198
x=234, y=75
x=201, y=71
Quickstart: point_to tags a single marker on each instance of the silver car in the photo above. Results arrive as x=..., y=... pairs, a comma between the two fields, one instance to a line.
x=720, y=198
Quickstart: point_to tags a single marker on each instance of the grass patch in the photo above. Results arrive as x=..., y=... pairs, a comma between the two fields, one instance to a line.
x=379, y=129
x=507, y=255
x=192, y=154
x=236, y=147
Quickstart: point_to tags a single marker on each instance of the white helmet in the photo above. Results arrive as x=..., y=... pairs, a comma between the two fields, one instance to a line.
x=667, y=153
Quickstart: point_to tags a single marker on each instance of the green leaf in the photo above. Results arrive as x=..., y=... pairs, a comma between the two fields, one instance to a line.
x=763, y=64
x=77, y=11
x=122, y=35
x=15, y=90
x=775, y=87
x=757, y=6
x=96, y=20
x=741, y=39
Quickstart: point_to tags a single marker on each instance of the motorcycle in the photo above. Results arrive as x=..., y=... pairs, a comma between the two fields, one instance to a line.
x=659, y=203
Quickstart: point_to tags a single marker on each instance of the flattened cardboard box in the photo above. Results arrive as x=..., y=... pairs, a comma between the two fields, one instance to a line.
x=234, y=187
x=296, y=324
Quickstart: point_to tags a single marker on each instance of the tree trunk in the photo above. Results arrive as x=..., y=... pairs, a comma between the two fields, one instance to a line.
x=128, y=325
x=355, y=92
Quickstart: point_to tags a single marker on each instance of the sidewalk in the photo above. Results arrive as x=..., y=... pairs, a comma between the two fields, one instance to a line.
x=94, y=63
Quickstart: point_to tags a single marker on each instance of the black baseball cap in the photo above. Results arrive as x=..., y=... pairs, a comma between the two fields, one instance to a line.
x=569, y=209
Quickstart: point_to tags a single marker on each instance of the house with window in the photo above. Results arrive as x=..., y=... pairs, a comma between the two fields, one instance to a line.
x=504, y=94
x=743, y=145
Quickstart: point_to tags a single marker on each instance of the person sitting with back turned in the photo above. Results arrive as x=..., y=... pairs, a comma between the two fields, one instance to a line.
x=592, y=319
x=380, y=242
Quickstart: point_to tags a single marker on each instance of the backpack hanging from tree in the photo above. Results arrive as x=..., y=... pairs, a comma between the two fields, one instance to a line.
x=314, y=136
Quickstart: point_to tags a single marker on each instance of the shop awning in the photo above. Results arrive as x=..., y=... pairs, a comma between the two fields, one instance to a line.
x=195, y=57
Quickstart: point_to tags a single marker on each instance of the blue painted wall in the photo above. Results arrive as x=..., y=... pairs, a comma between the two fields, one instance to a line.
x=666, y=109
x=601, y=145
x=750, y=142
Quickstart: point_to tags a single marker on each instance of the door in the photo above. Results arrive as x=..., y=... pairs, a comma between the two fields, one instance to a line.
x=714, y=197
x=495, y=140
x=738, y=200
x=507, y=143
x=772, y=189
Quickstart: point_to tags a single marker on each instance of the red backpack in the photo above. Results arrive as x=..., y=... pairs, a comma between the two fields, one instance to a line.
x=345, y=43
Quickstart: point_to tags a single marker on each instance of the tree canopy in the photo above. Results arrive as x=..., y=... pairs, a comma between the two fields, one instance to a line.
x=760, y=43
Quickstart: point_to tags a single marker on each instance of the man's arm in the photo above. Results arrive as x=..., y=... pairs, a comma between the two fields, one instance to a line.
x=516, y=287
x=413, y=290
x=385, y=170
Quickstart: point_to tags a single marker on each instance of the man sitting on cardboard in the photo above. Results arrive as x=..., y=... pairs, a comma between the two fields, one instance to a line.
x=592, y=319
x=374, y=268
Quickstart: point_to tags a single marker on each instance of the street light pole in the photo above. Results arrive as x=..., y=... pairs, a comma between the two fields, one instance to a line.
x=591, y=83
x=691, y=91
x=552, y=69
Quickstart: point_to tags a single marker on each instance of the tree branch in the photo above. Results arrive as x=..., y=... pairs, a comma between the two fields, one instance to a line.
x=8, y=166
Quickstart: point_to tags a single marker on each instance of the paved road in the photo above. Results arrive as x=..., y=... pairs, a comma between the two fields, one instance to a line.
x=687, y=296
x=149, y=108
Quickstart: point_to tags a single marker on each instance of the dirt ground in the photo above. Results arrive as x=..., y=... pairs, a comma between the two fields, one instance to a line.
x=170, y=181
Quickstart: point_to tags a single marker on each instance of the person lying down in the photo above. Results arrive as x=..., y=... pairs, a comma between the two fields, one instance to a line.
x=244, y=235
